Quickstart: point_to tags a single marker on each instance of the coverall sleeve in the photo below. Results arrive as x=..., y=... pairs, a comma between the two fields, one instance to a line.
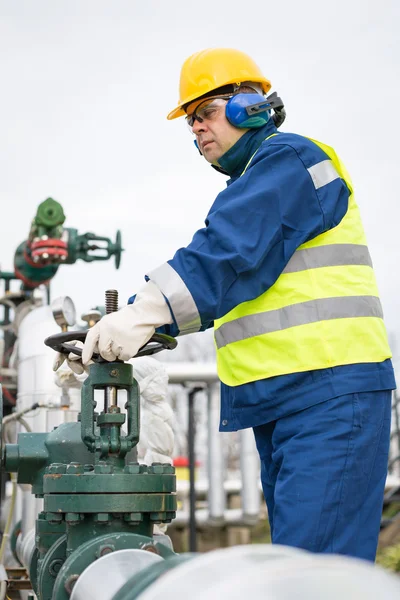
x=252, y=230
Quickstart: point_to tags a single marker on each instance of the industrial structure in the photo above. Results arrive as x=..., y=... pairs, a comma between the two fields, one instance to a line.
x=85, y=518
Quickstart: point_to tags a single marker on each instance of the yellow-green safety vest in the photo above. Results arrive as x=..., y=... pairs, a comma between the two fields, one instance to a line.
x=323, y=311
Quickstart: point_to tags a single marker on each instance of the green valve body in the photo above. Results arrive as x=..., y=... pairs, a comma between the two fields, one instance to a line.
x=50, y=244
x=96, y=500
x=48, y=220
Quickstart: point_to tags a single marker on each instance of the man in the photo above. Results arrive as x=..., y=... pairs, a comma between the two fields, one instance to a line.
x=282, y=272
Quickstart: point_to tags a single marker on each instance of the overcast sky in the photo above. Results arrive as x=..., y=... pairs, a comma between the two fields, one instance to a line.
x=86, y=86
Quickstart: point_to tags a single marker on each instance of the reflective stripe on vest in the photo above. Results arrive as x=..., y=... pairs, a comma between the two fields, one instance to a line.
x=323, y=310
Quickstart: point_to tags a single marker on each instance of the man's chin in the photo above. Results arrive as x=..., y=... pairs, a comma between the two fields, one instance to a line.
x=212, y=156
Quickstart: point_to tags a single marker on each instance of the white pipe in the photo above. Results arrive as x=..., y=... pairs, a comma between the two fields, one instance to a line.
x=182, y=372
x=250, y=472
x=215, y=459
x=231, y=516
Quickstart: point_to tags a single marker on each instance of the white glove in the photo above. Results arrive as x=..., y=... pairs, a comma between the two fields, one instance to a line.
x=65, y=378
x=122, y=333
x=73, y=360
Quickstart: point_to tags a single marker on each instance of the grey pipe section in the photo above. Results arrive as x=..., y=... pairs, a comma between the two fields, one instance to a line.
x=31, y=507
x=250, y=472
x=215, y=459
x=188, y=371
x=231, y=516
x=25, y=548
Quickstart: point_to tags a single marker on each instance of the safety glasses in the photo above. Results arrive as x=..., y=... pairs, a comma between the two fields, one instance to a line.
x=207, y=110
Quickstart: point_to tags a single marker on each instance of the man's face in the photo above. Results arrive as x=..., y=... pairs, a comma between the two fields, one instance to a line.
x=214, y=134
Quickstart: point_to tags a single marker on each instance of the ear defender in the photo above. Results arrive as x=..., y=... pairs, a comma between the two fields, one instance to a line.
x=248, y=110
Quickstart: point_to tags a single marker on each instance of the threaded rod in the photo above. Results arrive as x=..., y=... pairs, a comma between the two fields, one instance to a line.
x=111, y=301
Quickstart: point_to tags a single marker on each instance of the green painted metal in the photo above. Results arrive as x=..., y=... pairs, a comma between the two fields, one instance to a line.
x=102, y=375
x=33, y=571
x=48, y=219
x=49, y=567
x=47, y=533
x=48, y=224
x=89, y=551
x=92, y=526
x=128, y=482
x=85, y=247
x=36, y=451
x=111, y=503
x=94, y=500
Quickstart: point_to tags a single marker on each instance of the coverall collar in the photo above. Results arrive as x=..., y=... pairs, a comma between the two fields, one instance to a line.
x=234, y=161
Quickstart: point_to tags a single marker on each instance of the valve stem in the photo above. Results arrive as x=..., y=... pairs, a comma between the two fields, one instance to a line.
x=111, y=392
x=111, y=301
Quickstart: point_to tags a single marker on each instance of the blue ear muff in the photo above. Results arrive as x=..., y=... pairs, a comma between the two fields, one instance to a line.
x=248, y=110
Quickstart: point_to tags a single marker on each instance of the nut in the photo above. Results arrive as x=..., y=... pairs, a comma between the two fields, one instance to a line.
x=55, y=566
x=75, y=468
x=103, y=468
x=102, y=518
x=72, y=518
x=169, y=469
x=158, y=517
x=133, y=469
x=133, y=517
x=105, y=549
x=54, y=517
x=156, y=469
x=150, y=547
x=55, y=468
x=70, y=582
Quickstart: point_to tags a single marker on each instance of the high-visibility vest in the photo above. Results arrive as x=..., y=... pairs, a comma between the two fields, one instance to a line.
x=323, y=311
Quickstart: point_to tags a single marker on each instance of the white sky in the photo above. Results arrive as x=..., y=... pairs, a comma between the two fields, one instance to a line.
x=86, y=86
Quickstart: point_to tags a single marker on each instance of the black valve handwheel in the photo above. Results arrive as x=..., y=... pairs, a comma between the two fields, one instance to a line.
x=59, y=343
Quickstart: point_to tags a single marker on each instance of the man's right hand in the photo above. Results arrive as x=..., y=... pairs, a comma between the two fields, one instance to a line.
x=73, y=360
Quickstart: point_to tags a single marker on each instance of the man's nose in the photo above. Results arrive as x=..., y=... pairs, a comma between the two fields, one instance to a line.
x=198, y=127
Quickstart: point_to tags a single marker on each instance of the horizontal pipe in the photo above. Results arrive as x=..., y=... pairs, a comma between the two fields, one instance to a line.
x=231, y=516
x=181, y=372
x=230, y=486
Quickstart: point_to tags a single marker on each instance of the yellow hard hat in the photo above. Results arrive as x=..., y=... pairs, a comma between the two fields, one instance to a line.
x=211, y=69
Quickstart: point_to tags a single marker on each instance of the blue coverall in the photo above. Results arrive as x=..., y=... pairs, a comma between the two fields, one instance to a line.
x=322, y=435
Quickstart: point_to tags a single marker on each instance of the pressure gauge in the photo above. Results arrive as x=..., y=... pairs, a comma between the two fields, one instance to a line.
x=64, y=312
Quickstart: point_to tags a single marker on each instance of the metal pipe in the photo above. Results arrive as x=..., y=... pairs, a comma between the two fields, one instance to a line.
x=231, y=516
x=250, y=474
x=215, y=459
x=192, y=469
x=25, y=548
x=183, y=372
